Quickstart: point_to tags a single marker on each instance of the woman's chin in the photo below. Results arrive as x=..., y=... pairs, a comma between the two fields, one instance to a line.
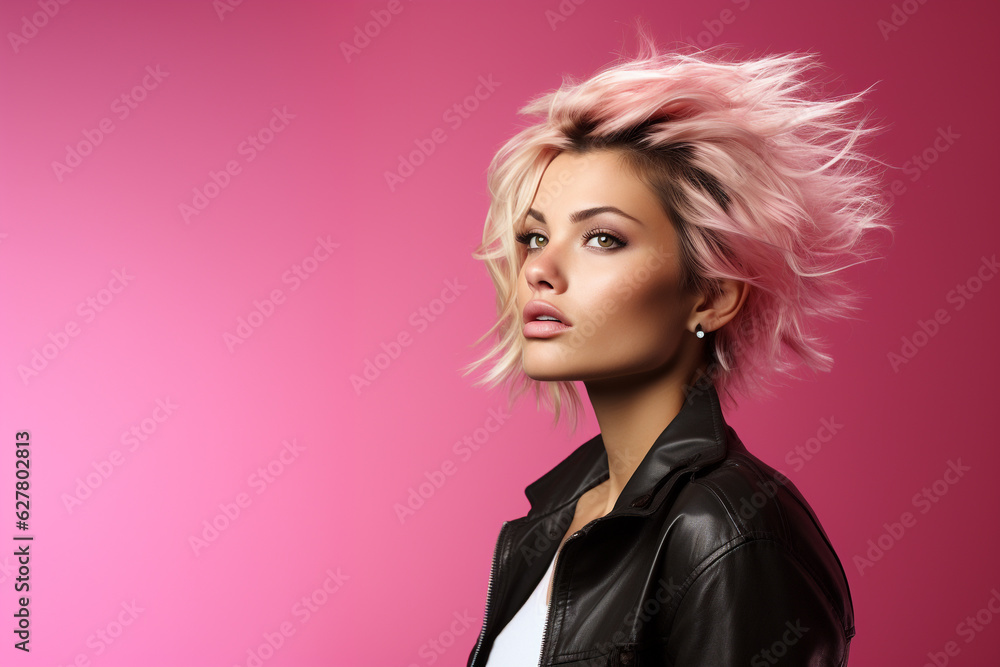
x=548, y=372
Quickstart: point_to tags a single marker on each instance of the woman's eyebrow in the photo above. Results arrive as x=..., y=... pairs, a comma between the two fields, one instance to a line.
x=586, y=213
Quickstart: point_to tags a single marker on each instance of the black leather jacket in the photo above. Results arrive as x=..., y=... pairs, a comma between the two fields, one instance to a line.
x=709, y=557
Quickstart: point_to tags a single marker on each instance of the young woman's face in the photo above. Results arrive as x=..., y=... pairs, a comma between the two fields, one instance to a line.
x=613, y=276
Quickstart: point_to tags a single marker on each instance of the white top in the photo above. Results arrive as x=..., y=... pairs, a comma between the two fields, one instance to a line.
x=520, y=641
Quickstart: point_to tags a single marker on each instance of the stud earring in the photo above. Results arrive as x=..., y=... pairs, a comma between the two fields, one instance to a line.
x=698, y=332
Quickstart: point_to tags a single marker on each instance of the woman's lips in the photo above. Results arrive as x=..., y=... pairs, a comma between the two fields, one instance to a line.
x=544, y=328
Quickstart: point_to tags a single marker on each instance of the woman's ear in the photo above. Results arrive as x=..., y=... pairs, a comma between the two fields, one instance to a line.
x=713, y=311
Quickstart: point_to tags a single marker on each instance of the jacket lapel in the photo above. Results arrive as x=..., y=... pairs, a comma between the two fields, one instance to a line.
x=694, y=438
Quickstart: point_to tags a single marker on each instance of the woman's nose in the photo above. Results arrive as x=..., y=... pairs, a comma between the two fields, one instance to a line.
x=547, y=265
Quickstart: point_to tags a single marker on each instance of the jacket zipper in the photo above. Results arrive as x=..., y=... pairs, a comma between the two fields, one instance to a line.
x=548, y=609
x=555, y=572
x=489, y=593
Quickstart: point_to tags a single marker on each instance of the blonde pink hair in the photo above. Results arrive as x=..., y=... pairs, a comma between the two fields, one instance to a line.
x=763, y=178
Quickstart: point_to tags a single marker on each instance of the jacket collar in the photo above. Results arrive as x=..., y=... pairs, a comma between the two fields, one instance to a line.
x=696, y=437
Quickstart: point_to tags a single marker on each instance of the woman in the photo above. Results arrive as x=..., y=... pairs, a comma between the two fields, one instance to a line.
x=666, y=234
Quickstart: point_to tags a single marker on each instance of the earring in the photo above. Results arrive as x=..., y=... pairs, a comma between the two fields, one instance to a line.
x=698, y=332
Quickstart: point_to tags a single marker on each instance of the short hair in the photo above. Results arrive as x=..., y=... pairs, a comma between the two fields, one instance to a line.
x=762, y=177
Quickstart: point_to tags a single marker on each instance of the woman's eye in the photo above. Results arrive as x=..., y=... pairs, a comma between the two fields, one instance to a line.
x=594, y=239
x=533, y=240
x=606, y=241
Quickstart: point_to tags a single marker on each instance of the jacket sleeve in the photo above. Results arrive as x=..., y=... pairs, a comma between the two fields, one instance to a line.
x=753, y=604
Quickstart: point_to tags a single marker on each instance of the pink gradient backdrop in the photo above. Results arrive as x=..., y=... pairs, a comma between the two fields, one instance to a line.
x=331, y=503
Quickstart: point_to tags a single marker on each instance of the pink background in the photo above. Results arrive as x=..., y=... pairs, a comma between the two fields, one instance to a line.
x=330, y=502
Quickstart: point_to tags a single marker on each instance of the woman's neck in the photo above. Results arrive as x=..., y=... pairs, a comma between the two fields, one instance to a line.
x=632, y=412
